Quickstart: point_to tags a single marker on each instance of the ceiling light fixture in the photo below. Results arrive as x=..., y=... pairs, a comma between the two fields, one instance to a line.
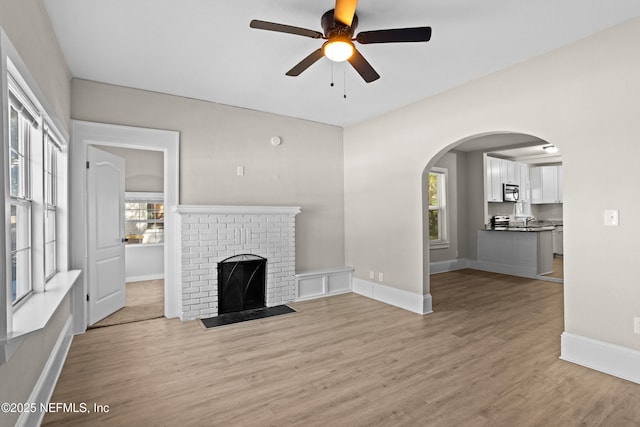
x=338, y=49
x=551, y=149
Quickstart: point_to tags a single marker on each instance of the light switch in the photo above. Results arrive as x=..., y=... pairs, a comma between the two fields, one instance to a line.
x=611, y=217
x=240, y=170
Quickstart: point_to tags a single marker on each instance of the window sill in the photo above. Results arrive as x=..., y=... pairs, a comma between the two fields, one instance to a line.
x=438, y=245
x=35, y=313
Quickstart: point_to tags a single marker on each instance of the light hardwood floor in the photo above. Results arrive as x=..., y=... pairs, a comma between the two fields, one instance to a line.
x=145, y=300
x=487, y=356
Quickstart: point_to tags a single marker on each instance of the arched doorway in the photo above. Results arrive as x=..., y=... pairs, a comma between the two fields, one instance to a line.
x=455, y=202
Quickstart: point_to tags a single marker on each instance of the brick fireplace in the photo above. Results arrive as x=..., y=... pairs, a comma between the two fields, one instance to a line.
x=210, y=234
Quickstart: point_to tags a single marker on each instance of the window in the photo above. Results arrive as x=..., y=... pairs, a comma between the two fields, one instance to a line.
x=22, y=124
x=51, y=151
x=144, y=218
x=438, y=234
x=36, y=203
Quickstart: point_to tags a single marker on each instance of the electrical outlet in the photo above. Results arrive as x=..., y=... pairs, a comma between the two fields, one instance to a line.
x=380, y=277
x=372, y=275
x=636, y=325
x=240, y=170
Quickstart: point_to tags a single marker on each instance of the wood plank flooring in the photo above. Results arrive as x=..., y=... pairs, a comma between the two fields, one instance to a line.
x=558, y=267
x=145, y=300
x=487, y=356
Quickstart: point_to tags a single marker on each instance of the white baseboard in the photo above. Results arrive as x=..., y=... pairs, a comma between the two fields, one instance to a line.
x=421, y=304
x=449, y=265
x=144, y=278
x=43, y=389
x=611, y=359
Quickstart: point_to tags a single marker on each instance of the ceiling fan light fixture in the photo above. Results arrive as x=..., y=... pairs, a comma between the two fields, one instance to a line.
x=338, y=49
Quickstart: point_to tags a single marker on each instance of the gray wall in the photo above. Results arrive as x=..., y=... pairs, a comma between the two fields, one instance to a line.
x=143, y=169
x=27, y=24
x=578, y=97
x=28, y=27
x=548, y=211
x=455, y=163
x=476, y=205
x=305, y=170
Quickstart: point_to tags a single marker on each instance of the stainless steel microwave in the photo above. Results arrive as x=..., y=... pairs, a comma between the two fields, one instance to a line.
x=511, y=193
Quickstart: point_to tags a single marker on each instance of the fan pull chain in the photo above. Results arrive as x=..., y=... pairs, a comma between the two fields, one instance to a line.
x=331, y=73
x=344, y=82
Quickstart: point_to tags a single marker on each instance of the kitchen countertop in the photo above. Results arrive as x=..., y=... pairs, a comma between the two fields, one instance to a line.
x=531, y=228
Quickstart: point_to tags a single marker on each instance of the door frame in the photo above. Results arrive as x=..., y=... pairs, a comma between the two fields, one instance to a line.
x=84, y=134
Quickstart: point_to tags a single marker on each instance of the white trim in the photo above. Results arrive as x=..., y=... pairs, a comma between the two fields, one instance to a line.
x=448, y=265
x=144, y=278
x=85, y=134
x=323, y=283
x=609, y=358
x=144, y=195
x=43, y=390
x=239, y=210
x=421, y=304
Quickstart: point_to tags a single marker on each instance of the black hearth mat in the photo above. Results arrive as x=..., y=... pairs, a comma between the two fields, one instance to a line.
x=243, y=316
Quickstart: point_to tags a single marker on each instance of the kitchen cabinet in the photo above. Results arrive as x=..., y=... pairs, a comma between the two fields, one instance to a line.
x=546, y=184
x=499, y=172
x=519, y=253
x=508, y=172
x=493, y=181
x=558, y=247
x=522, y=171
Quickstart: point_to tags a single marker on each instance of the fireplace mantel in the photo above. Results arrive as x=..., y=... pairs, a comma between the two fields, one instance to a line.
x=235, y=210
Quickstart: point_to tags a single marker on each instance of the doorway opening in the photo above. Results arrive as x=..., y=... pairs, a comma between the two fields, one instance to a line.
x=468, y=205
x=87, y=134
x=143, y=235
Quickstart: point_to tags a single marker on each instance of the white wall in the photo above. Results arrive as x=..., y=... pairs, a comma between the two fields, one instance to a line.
x=305, y=170
x=582, y=98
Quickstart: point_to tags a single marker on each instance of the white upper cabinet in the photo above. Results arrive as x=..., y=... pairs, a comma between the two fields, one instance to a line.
x=546, y=184
x=522, y=171
x=493, y=179
x=508, y=172
x=500, y=171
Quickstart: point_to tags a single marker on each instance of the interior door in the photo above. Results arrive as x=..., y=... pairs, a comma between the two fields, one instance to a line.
x=105, y=198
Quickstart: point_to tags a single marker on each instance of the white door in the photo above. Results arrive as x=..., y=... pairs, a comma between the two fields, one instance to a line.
x=105, y=198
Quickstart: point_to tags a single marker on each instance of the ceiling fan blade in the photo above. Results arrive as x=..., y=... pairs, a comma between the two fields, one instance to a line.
x=363, y=67
x=281, y=28
x=305, y=63
x=344, y=11
x=398, y=35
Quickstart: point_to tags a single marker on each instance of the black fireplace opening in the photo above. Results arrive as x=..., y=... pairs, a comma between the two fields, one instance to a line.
x=241, y=283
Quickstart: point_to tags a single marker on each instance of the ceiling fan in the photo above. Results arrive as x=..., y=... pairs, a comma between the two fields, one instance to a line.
x=339, y=26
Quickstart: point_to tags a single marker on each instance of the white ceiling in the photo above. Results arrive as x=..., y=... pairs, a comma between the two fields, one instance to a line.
x=513, y=146
x=204, y=49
